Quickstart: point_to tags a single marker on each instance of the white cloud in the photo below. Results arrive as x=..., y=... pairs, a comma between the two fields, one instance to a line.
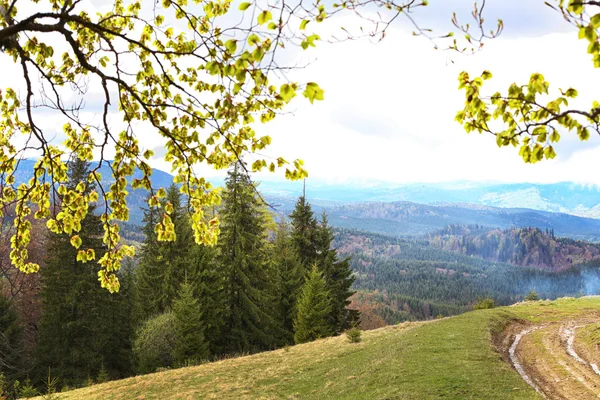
x=389, y=108
x=403, y=84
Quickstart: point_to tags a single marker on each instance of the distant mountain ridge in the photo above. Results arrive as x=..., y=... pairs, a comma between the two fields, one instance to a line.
x=431, y=207
x=136, y=198
x=566, y=197
x=405, y=218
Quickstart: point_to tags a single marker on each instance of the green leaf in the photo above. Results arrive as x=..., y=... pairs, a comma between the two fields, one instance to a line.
x=264, y=17
x=287, y=92
x=244, y=6
x=313, y=92
x=76, y=241
x=571, y=93
x=253, y=39
x=309, y=41
x=303, y=24
x=231, y=46
x=486, y=75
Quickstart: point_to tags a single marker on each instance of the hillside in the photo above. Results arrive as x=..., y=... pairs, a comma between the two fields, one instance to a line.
x=403, y=279
x=465, y=357
x=528, y=247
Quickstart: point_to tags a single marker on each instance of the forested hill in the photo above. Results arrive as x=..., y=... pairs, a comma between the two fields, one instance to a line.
x=402, y=279
x=528, y=247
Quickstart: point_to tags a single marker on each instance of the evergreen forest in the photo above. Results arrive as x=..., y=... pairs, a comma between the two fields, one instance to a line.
x=180, y=303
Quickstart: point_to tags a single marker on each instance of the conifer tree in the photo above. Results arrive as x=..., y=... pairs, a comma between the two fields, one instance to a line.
x=79, y=329
x=290, y=276
x=176, y=255
x=313, y=309
x=163, y=265
x=339, y=278
x=208, y=280
x=304, y=231
x=249, y=325
x=150, y=272
x=11, y=345
x=189, y=328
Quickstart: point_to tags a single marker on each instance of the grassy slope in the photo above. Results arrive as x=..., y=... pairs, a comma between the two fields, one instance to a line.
x=450, y=358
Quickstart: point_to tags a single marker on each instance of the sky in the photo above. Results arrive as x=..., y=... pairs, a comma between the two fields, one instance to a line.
x=389, y=106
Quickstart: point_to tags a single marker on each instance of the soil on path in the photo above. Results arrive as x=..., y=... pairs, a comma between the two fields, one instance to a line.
x=547, y=358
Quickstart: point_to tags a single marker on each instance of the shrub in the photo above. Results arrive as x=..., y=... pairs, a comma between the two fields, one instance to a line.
x=485, y=303
x=353, y=335
x=532, y=296
x=155, y=343
x=25, y=390
x=102, y=375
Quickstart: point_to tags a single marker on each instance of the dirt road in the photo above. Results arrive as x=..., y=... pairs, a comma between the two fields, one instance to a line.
x=552, y=360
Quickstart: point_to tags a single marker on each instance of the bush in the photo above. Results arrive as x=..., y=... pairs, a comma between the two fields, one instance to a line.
x=25, y=390
x=484, y=304
x=353, y=335
x=155, y=343
x=532, y=296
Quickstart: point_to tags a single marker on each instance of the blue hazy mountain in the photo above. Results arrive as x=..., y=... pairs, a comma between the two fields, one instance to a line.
x=415, y=209
x=566, y=197
x=136, y=198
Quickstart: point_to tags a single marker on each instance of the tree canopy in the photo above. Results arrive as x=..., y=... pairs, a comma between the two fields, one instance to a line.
x=200, y=76
x=529, y=116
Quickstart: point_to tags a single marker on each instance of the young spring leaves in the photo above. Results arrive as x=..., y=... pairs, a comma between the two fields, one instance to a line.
x=523, y=117
x=175, y=68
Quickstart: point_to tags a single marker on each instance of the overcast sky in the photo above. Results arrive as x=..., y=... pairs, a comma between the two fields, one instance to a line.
x=389, y=107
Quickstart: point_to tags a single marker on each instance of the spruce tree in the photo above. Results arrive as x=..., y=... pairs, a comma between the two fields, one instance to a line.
x=163, y=265
x=249, y=325
x=11, y=341
x=79, y=328
x=313, y=309
x=150, y=271
x=339, y=278
x=290, y=276
x=191, y=344
x=208, y=280
x=304, y=231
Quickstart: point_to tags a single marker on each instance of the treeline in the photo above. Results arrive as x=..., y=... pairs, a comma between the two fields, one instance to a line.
x=530, y=247
x=265, y=285
x=401, y=279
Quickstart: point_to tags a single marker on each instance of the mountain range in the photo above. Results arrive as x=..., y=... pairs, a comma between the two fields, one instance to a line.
x=569, y=209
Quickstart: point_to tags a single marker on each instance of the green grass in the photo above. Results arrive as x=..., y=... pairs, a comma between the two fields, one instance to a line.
x=446, y=359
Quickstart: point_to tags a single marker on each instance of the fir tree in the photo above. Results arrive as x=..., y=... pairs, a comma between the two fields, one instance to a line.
x=79, y=328
x=189, y=327
x=304, y=230
x=249, y=325
x=11, y=344
x=150, y=272
x=289, y=274
x=207, y=281
x=164, y=265
x=313, y=309
x=339, y=278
